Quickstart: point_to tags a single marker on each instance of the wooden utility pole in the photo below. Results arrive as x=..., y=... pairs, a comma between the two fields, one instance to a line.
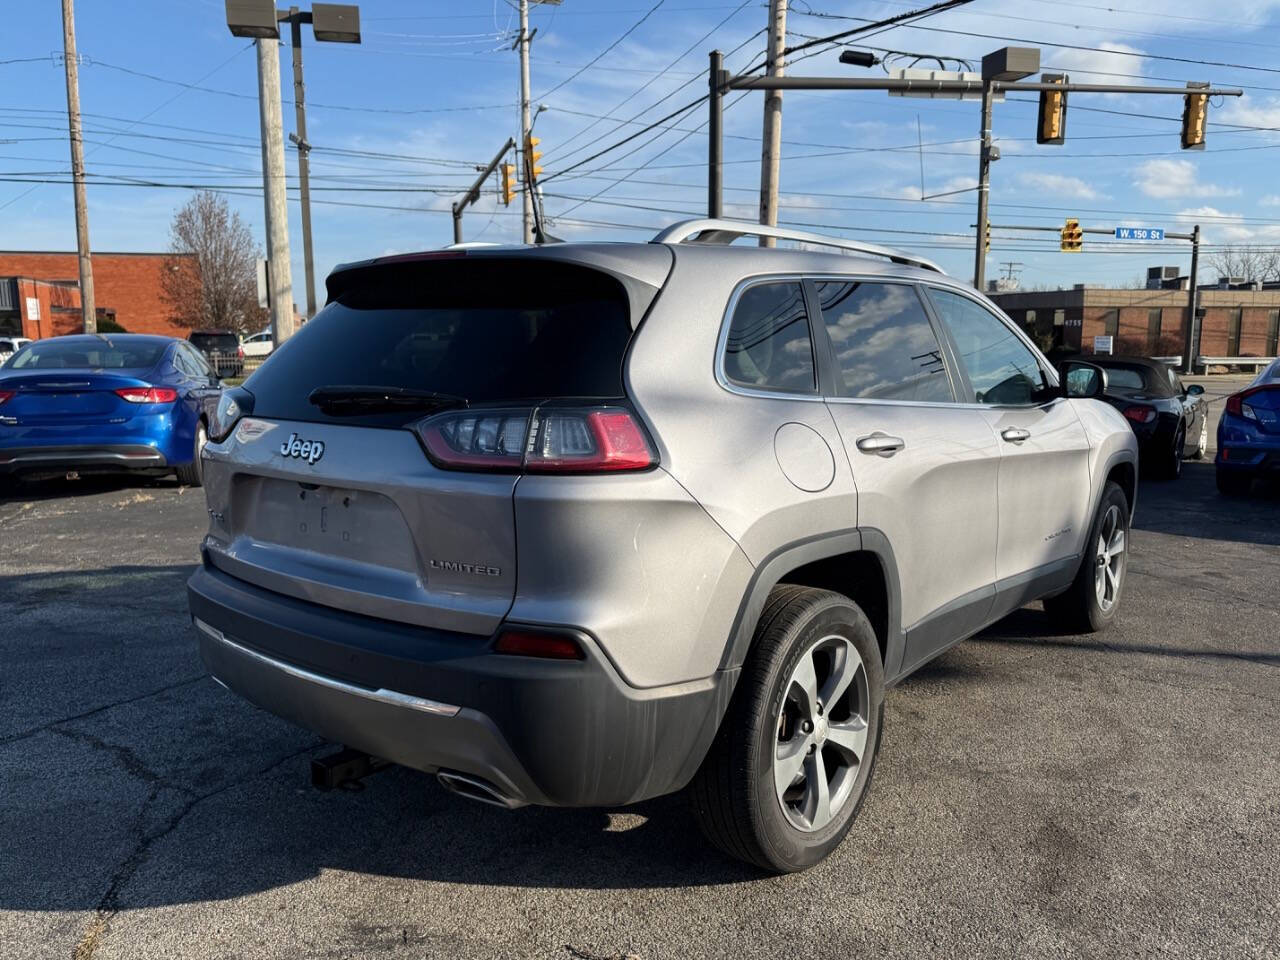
x=527, y=194
x=87, y=307
x=771, y=139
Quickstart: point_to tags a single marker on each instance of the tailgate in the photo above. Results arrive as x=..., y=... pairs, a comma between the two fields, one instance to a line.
x=369, y=526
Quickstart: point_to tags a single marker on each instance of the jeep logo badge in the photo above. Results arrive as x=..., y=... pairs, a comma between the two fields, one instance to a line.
x=308, y=450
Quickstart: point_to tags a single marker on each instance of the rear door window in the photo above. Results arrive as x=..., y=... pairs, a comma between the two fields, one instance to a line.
x=768, y=345
x=884, y=345
x=486, y=330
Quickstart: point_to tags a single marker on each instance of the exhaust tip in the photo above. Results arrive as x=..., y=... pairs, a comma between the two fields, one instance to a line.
x=477, y=788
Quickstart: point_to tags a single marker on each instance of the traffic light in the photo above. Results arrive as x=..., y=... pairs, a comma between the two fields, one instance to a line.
x=531, y=157
x=1052, y=125
x=1072, y=237
x=1195, y=113
x=508, y=183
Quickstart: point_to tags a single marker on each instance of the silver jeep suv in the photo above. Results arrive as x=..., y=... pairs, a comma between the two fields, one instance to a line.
x=585, y=524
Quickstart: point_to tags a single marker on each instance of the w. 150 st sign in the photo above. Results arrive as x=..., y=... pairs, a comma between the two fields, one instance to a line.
x=1139, y=233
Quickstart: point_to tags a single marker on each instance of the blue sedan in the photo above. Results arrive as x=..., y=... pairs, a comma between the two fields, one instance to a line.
x=1249, y=434
x=106, y=403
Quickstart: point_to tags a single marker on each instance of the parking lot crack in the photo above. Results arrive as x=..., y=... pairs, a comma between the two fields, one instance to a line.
x=33, y=731
x=109, y=905
x=133, y=764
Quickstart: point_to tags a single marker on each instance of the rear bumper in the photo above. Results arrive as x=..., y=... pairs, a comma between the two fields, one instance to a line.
x=132, y=456
x=564, y=733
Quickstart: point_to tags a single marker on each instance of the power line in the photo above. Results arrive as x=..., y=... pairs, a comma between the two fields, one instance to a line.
x=597, y=58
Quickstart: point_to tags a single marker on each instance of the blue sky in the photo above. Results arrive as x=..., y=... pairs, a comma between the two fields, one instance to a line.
x=433, y=90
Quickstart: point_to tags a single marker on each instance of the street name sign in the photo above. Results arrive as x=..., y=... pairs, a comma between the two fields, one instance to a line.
x=1139, y=233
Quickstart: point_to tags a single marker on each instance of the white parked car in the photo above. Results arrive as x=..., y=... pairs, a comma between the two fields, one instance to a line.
x=258, y=345
x=11, y=345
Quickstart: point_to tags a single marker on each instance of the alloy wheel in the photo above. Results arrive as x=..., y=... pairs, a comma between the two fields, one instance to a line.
x=822, y=729
x=1110, y=559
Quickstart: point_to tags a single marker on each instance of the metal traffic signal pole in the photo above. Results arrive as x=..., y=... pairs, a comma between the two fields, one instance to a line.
x=1010, y=60
x=473, y=194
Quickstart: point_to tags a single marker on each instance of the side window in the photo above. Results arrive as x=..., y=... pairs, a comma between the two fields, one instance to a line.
x=768, y=347
x=1001, y=367
x=884, y=345
x=192, y=361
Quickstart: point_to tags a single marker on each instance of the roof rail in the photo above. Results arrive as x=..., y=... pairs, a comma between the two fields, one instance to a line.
x=726, y=231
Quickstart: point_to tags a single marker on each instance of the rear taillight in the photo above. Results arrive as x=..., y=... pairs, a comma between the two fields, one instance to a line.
x=543, y=440
x=531, y=642
x=148, y=394
x=1139, y=413
x=240, y=352
x=5, y=395
x=1237, y=407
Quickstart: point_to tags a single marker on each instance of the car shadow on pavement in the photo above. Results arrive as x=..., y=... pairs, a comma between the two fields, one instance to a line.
x=1191, y=506
x=129, y=778
x=59, y=487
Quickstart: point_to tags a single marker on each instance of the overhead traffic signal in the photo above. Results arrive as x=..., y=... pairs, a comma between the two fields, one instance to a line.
x=531, y=157
x=1072, y=237
x=508, y=183
x=1195, y=114
x=1052, y=125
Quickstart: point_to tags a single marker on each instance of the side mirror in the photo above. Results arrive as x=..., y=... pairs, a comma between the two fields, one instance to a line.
x=1195, y=390
x=1083, y=380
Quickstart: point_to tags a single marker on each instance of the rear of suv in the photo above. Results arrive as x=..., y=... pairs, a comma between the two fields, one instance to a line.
x=222, y=349
x=590, y=523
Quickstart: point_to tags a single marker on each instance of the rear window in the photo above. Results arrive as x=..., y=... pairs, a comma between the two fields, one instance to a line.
x=488, y=330
x=1126, y=378
x=215, y=341
x=62, y=355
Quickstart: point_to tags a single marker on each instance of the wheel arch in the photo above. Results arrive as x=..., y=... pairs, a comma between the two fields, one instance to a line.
x=858, y=563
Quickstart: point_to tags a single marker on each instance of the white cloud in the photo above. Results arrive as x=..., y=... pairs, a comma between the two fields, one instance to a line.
x=1055, y=184
x=1176, y=178
x=1250, y=112
x=1271, y=200
x=1220, y=226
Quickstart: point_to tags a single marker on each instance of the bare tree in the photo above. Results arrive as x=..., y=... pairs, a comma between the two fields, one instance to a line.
x=1247, y=263
x=219, y=289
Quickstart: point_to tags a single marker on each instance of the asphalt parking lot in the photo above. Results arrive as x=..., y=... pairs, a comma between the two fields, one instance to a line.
x=1037, y=794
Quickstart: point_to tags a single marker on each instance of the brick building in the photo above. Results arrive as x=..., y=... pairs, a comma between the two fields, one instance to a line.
x=40, y=292
x=1237, y=323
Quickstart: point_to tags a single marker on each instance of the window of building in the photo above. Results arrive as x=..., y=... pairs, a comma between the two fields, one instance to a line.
x=1154, y=320
x=884, y=344
x=1029, y=323
x=1273, y=333
x=1233, y=332
x=1059, y=318
x=1111, y=323
x=769, y=347
x=1001, y=368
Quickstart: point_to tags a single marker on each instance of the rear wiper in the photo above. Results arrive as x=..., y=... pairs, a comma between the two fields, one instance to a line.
x=341, y=401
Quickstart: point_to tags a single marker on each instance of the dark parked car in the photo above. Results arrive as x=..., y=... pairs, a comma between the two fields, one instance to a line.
x=1249, y=434
x=222, y=349
x=1169, y=419
x=105, y=403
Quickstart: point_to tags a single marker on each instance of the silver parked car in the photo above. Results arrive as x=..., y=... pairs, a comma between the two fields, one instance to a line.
x=585, y=524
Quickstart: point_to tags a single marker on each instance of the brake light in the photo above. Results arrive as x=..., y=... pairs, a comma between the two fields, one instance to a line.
x=526, y=642
x=5, y=395
x=148, y=394
x=1237, y=407
x=542, y=440
x=240, y=352
x=1139, y=413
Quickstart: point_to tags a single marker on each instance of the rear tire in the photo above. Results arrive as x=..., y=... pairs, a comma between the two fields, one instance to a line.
x=1233, y=484
x=1089, y=605
x=787, y=773
x=1171, y=469
x=192, y=474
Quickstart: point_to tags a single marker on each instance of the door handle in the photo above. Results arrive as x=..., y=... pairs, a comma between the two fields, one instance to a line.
x=1015, y=434
x=881, y=444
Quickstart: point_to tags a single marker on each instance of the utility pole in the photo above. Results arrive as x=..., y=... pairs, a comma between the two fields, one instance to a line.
x=1191, y=340
x=527, y=194
x=715, y=137
x=304, y=164
x=87, y=306
x=985, y=149
x=771, y=138
x=274, y=197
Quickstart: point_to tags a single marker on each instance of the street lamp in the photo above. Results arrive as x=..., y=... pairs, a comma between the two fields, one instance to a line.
x=330, y=22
